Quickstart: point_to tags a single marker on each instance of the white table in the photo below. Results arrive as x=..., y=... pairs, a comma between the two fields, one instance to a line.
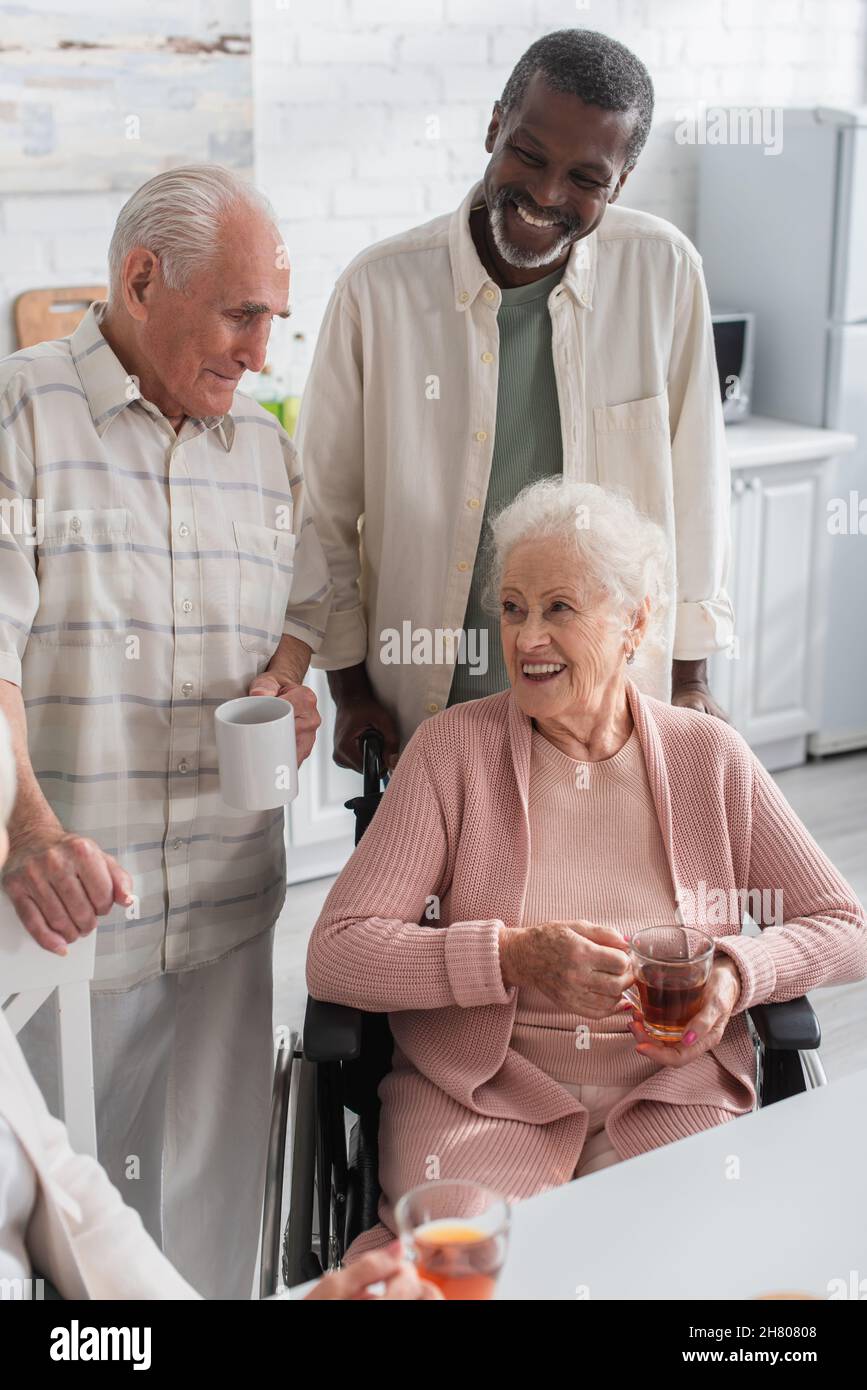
x=670, y=1224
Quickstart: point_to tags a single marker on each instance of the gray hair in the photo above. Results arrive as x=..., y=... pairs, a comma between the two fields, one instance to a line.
x=599, y=70
x=177, y=215
x=617, y=548
x=7, y=772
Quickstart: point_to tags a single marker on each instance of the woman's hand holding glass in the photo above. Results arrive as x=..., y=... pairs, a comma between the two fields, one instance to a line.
x=705, y=1029
x=580, y=966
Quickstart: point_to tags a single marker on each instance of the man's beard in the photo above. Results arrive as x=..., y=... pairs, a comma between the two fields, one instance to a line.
x=515, y=255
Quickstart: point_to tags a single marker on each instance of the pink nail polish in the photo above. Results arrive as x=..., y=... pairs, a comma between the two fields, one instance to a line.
x=690, y=1037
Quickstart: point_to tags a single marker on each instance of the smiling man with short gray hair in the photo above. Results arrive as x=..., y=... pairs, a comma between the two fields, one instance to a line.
x=537, y=330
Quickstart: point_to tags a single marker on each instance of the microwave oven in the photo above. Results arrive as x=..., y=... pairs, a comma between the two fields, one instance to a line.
x=734, y=344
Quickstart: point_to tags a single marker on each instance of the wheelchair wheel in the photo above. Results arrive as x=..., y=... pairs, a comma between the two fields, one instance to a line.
x=299, y=1261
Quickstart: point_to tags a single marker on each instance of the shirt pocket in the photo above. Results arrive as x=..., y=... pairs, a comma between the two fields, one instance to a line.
x=266, y=564
x=633, y=454
x=85, y=578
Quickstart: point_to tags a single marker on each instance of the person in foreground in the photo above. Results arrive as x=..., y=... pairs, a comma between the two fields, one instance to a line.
x=62, y=1220
x=523, y=839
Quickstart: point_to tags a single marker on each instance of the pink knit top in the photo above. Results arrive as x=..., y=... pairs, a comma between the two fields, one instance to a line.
x=596, y=854
x=452, y=834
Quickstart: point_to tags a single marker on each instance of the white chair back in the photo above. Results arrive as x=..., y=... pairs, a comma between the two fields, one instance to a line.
x=28, y=975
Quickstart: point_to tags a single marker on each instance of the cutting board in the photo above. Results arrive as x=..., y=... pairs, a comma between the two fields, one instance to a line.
x=54, y=313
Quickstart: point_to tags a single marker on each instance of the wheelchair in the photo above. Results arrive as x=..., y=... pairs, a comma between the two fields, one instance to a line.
x=329, y=1084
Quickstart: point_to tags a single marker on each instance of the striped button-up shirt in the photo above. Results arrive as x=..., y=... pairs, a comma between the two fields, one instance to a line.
x=145, y=577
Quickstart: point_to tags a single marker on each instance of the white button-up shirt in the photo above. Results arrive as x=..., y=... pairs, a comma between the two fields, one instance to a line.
x=397, y=427
x=145, y=577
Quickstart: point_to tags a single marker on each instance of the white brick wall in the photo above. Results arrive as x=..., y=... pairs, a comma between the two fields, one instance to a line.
x=51, y=239
x=347, y=94
x=384, y=68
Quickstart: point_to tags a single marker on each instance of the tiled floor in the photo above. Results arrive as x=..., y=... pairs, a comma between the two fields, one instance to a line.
x=829, y=795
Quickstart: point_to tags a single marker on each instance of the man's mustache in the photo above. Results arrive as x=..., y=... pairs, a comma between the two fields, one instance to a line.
x=572, y=225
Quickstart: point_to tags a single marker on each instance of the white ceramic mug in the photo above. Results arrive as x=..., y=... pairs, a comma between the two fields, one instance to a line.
x=256, y=752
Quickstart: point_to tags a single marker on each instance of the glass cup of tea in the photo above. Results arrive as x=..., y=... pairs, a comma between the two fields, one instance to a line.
x=456, y=1233
x=672, y=966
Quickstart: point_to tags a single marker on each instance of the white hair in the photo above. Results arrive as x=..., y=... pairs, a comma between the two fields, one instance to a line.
x=7, y=772
x=617, y=548
x=177, y=216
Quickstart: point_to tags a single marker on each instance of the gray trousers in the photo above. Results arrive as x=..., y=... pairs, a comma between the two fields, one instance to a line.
x=183, y=1069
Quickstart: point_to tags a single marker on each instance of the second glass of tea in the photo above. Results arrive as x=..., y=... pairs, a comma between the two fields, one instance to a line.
x=456, y=1232
x=672, y=965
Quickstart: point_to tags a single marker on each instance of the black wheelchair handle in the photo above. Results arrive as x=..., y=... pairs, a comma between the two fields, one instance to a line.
x=372, y=760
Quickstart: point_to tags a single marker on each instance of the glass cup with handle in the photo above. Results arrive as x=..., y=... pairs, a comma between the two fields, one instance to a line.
x=672, y=967
x=456, y=1233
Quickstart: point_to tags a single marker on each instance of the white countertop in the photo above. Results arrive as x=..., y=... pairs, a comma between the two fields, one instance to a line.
x=761, y=440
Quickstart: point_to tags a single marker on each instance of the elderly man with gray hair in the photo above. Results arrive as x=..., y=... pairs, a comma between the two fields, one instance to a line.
x=159, y=561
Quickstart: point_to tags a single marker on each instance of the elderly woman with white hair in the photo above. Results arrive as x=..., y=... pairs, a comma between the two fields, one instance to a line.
x=550, y=823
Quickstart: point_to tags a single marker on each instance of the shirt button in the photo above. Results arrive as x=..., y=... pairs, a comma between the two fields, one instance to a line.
x=75, y=524
x=177, y=844
x=463, y=296
x=183, y=766
x=187, y=688
x=187, y=605
x=183, y=529
x=489, y=294
x=462, y=565
x=432, y=709
x=474, y=502
x=487, y=357
x=481, y=436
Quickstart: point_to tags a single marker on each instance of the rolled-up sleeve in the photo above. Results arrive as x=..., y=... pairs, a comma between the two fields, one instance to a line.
x=311, y=594
x=704, y=619
x=331, y=440
x=19, y=534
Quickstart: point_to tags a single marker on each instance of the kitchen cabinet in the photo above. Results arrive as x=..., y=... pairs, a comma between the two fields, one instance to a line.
x=770, y=681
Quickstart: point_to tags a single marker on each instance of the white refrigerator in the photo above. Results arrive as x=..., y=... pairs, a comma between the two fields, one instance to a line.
x=784, y=235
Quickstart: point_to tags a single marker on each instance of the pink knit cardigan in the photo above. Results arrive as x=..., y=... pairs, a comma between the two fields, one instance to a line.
x=460, y=1102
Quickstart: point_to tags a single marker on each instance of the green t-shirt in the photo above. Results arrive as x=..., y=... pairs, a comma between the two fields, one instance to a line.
x=527, y=446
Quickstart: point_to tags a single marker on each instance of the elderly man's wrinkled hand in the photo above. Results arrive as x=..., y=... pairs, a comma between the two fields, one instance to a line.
x=303, y=701
x=704, y=1030
x=60, y=884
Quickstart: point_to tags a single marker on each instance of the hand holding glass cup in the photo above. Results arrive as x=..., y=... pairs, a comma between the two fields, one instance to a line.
x=456, y=1233
x=672, y=966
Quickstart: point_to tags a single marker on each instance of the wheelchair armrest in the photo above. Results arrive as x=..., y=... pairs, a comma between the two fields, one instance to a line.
x=332, y=1033
x=788, y=1027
